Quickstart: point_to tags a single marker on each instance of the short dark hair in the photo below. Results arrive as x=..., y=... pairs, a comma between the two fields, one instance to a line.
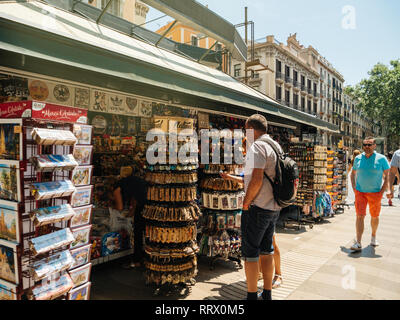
x=257, y=122
x=369, y=138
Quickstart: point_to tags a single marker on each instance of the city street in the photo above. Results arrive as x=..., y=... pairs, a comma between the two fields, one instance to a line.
x=316, y=265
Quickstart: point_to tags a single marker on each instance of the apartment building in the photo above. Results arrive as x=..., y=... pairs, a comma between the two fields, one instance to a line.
x=133, y=11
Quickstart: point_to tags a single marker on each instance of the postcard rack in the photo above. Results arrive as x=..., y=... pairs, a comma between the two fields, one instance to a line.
x=171, y=213
x=47, y=247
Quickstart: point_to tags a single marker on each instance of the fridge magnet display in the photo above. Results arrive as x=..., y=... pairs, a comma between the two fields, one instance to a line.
x=53, y=137
x=81, y=256
x=56, y=263
x=52, y=189
x=54, y=214
x=11, y=139
x=80, y=293
x=82, y=175
x=7, y=291
x=82, y=216
x=51, y=241
x=82, y=196
x=9, y=221
x=82, y=98
x=80, y=275
x=50, y=290
x=9, y=262
x=145, y=109
x=10, y=181
x=83, y=133
x=99, y=101
x=83, y=154
x=81, y=235
x=50, y=162
x=62, y=93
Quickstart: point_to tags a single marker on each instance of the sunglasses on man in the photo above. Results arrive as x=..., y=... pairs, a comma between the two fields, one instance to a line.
x=368, y=144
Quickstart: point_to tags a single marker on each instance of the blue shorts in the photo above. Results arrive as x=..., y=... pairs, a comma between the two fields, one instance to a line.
x=258, y=227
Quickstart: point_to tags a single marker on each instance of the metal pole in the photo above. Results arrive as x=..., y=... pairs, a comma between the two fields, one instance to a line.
x=104, y=11
x=166, y=32
x=245, y=40
x=208, y=51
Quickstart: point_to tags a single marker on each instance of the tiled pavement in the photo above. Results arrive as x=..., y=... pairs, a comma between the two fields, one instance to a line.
x=316, y=264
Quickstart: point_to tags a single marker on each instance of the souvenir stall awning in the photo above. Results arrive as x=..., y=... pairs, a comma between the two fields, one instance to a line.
x=38, y=38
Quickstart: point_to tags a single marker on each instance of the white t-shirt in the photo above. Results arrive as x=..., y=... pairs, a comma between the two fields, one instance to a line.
x=261, y=156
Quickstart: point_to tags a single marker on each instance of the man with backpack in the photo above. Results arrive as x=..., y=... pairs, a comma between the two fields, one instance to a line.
x=265, y=175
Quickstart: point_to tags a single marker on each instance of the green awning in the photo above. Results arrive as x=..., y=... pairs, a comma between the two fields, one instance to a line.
x=38, y=38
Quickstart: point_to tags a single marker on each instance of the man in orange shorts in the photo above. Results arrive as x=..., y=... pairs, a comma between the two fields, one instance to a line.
x=369, y=170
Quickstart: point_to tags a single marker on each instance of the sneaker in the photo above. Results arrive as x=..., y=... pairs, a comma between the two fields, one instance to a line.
x=374, y=242
x=356, y=246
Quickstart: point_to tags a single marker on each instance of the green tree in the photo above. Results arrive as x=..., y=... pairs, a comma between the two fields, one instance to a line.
x=379, y=98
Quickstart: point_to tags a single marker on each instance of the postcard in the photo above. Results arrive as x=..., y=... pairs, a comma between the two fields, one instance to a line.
x=9, y=221
x=50, y=162
x=80, y=275
x=83, y=133
x=51, y=241
x=81, y=255
x=56, y=263
x=82, y=196
x=82, y=216
x=54, y=214
x=82, y=175
x=11, y=145
x=81, y=235
x=83, y=154
x=53, y=137
x=80, y=293
x=9, y=262
x=10, y=188
x=8, y=291
x=49, y=290
x=52, y=189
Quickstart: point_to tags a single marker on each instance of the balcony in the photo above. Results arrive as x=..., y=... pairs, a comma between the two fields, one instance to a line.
x=303, y=88
x=279, y=77
x=296, y=84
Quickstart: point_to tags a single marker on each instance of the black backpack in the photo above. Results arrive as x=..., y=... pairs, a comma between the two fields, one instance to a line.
x=286, y=172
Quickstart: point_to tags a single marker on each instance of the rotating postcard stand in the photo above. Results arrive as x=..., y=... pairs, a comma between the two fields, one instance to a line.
x=171, y=213
x=36, y=153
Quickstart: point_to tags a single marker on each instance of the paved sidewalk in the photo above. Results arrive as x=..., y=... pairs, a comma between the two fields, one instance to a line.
x=316, y=264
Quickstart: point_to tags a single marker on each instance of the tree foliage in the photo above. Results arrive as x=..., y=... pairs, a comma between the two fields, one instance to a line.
x=379, y=97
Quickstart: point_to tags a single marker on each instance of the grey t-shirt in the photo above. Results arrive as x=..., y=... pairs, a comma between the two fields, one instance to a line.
x=396, y=159
x=261, y=156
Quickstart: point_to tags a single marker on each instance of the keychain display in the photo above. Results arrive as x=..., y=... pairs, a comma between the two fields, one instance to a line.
x=171, y=213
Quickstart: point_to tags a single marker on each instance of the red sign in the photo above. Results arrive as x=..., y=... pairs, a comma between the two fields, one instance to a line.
x=48, y=111
x=43, y=111
x=18, y=109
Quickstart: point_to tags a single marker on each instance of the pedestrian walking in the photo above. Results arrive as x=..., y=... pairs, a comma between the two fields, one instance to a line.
x=394, y=174
x=369, y=168
x=260, y=210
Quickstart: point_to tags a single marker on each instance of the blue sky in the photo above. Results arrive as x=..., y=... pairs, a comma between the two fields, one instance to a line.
x=353, y=46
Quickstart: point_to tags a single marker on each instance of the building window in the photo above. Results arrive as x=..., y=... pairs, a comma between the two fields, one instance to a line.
x=278, y=66
x=295, y=100
x=303, y=103
x=315, y=108
x=287, y=96
x=236, y=70
x=278, y=93
x=195, y=41
x=295, y=76
x=309, y=106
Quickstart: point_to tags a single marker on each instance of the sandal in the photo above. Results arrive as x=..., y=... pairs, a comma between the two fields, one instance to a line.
x=277, y=281
x=260, y=276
